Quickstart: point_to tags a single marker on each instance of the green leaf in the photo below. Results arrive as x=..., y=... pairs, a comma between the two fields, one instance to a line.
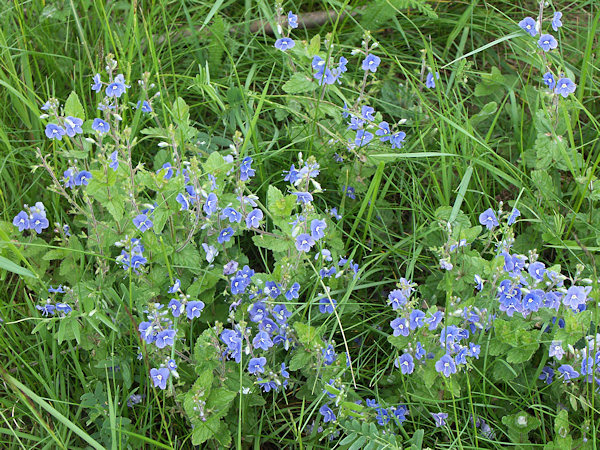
x=300, y=359
x=7, y=264
x=275, y=243
x=181, y=112
x=299, y=84
x=73, y=106
x=315, y=45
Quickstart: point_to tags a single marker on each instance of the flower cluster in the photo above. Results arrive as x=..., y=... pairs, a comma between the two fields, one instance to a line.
x=452, y=339
x=32, y=218
x=73, y=177
x=50, y=307
x=133, y=258
x=285, y=43
x=559, y=85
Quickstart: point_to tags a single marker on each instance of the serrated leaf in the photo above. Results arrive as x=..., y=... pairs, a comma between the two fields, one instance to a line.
x=73, y=106
x=299, y=360
x=274, y=243
x=299, y=84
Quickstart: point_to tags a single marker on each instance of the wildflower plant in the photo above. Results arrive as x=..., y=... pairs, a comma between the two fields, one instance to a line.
x=228, y=282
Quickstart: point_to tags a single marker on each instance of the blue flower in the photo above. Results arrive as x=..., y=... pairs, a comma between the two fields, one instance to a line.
x=253, y=219
x=547, y=374
x=564, y=87
x=160, y=377
x=211, y=252
x=257, y=312
x=59, y=289
x=281, y=314
x=284, y=44
x=145, y=106
x=246, y=170
x=556, y=22
x=183, y=201
x=21, y=220
x=292, y=292
x=82, y=177
x=329, y=355
x=434, y=320
x=400, y=413
x=327, y=413
x=171, y=365
x=210, y=206
x=269, y=326
x=356, y=123
x=371, y=62
x=257, y=365
x=400, y=326
x=488, y=219
x=231, y=214
x=547, y=42
x=537, y=270
x=38, y=222
x=225, y=235
x=528, y=25
x=100, y=126
x=176, y=286
x=97, y=86
x=164, y=338
x=567, y=372
x=405, y=364
x=420, y=352
x=575, y=296
x=292, y=175
x=367, y=113
x=363, y=138
x=327, y=306
x=304, y=242
x=303, y=197
x=474, y=350
x=479, y=282
x=440, y=419
x=73, y=126
x=383, y=130
x=292, y=20
x=382, y=416
x=114, y=161
x=115, y=89
x=397, y=139
x=397, y=298
x=430, y=80
x=168, y=171
x=555, y=350
x=533, y=300
x=63, y=308
x=417, y=318
x=513, y=216
x=46, y=309
x=142, y=222
x=146, y=330
x=194, y=309
x=316, y=229
x=54, y=131
x=262, y=340
x=445, y=365
x=549, y=80
x=176, y=307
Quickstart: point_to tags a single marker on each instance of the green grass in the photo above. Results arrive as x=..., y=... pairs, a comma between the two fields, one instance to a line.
x=449, y=160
